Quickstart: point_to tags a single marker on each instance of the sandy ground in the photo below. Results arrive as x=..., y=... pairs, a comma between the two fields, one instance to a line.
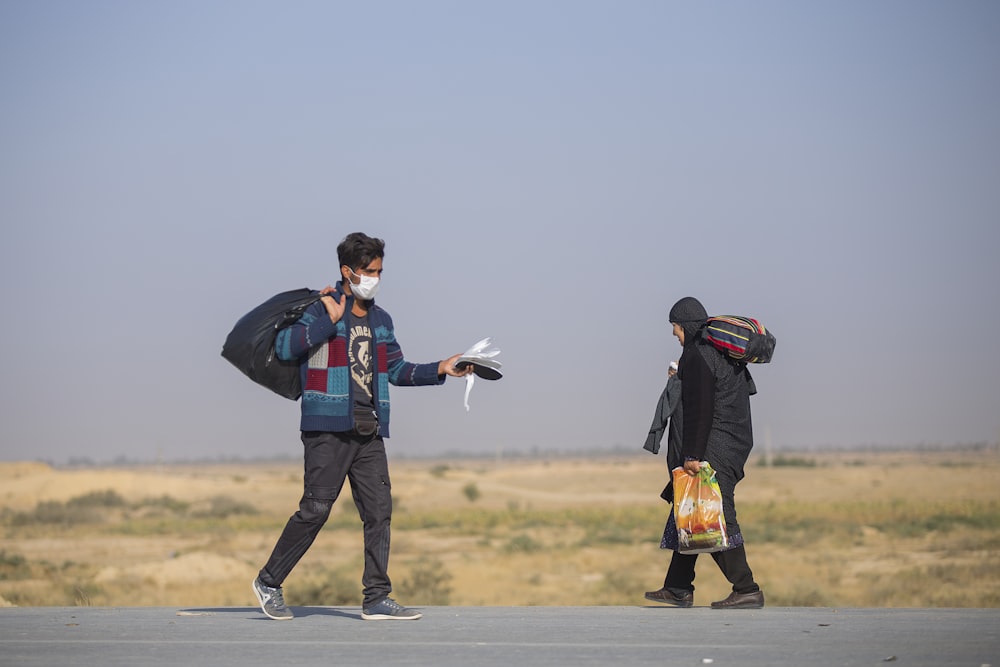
x=198, y=565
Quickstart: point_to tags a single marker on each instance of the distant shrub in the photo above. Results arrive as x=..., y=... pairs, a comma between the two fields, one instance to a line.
x=522, y=544
x=782, y=461
x=619, y=587
x=83, y=509
x=985, y=517
x=84, y=593
x=608, y=534
x=13, y=566
x=221, y=507
x=335, y=587
x=53, y=512
x=11, y=560
x=439, y=470
x=106, y=498
x=471, y=492
x=428, y=583
x=165, y=502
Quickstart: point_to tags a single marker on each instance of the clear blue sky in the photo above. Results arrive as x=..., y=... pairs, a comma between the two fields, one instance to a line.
x=553, y=174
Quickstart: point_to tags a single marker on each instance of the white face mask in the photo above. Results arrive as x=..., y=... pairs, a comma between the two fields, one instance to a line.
x=366, y=289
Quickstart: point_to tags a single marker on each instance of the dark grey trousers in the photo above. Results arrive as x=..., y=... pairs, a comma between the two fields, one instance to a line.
x=330, y=458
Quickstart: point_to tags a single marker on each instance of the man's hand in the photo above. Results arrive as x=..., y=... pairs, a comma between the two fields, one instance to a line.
x=334, y=308
x=692, y=467
x=447, y=367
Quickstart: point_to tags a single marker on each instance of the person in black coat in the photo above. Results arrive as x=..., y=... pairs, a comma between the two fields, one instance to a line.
x=715, y=400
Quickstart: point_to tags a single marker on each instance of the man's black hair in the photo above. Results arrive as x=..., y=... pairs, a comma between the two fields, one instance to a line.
x=358, y=250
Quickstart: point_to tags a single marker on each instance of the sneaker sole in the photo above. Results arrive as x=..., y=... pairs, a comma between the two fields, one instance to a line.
x=740, y=606
x=670, y=603
x=260, y=601
x=387, y=617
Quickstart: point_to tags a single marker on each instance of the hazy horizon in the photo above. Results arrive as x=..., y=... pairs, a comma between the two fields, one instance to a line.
x=777, y=456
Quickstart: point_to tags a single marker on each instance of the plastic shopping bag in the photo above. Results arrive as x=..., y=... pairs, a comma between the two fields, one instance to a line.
x=701, y=526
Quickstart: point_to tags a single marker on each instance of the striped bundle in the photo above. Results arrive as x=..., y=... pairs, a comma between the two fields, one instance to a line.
x=741, y=338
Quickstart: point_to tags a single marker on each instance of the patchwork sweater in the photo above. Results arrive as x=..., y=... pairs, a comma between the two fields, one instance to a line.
x=327, y=389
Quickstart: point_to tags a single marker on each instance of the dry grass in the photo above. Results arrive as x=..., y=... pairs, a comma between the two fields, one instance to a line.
x=822, y=530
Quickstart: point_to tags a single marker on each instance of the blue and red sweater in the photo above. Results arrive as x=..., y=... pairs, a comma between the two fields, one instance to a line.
x=327, y=389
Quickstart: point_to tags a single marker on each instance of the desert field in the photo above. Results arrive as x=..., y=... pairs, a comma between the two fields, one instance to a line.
x=852, y=529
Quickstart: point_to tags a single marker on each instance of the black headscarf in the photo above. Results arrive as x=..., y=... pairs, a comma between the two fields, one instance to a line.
x=690, y=314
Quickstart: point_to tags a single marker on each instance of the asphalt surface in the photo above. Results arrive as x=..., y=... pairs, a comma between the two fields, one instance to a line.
x=508, y=636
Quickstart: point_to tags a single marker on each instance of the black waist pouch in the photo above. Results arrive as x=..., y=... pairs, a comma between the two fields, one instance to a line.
x=365, y=422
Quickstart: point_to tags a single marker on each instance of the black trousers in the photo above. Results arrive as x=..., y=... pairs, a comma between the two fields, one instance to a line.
x=330, y=458
x=732, y=562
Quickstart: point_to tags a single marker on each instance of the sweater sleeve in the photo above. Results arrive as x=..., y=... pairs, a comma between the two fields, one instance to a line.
x=698, y=398
x=313, y=328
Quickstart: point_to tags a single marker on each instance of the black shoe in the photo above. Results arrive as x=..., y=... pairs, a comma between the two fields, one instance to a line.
x=736, y=600
x=674, y=597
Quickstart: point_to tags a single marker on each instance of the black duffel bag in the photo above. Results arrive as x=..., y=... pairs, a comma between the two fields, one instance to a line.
x=250, y=345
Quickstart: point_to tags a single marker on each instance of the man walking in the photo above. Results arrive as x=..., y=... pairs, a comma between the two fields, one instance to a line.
x=348, y=356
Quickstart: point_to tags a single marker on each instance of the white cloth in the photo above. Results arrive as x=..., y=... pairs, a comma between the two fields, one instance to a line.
x=482, y=358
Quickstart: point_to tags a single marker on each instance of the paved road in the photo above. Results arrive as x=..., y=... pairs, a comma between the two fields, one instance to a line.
x=507, y=636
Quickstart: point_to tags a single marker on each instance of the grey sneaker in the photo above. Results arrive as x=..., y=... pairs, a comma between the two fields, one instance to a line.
x=389, y=610
x=272, y=601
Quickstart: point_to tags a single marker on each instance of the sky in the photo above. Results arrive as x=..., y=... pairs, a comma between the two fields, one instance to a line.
x=553, y=174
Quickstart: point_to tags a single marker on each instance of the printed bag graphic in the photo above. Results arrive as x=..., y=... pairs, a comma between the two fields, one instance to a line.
x=701, y=527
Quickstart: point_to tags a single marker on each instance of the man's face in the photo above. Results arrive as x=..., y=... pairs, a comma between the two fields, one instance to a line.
x=353, y=275
x=679, y=333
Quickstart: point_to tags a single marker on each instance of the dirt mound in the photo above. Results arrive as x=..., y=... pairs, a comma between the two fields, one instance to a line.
x=185, y=569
